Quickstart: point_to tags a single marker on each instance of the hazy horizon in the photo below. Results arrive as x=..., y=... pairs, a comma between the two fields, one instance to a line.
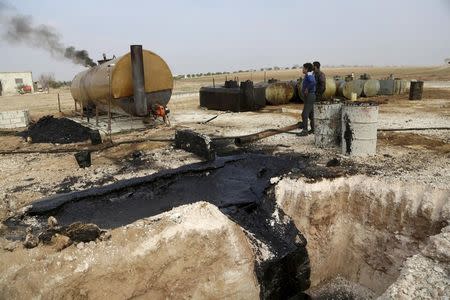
x=206, y=36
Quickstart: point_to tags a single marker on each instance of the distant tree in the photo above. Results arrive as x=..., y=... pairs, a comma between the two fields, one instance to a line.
x=46, y=79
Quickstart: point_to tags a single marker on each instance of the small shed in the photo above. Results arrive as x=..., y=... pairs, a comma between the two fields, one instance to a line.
x=13, y=83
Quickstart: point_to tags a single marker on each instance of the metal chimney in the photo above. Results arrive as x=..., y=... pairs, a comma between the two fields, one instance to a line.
x=137, y=69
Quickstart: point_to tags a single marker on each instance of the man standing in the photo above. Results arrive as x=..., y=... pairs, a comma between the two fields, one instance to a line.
x=309, y=93
x=320, y=81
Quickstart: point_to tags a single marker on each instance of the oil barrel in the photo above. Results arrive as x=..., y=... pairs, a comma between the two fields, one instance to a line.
x=327, y=124
x=359, y=123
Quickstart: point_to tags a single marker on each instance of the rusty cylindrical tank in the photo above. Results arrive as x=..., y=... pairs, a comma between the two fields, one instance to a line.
x=280, y=92
x=353, y=86
x=330, y=89
x=114, y=78
x=371, y=88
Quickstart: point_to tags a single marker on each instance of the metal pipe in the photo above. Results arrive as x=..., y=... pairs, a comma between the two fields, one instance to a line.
x=240, y=141
x=137, y=69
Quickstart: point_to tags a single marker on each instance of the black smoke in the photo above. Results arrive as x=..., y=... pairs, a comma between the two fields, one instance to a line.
x=20, y=29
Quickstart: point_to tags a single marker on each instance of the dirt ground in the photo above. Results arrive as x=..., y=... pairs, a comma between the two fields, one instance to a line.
x=416, y=157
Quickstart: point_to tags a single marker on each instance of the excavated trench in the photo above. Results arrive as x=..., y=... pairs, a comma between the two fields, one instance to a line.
x=358, y=230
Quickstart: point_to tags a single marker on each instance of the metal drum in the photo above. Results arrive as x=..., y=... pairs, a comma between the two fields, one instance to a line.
x=359, y=128
x=371, y=88
x=327, y=124
x=280, y=92
x=415, y=91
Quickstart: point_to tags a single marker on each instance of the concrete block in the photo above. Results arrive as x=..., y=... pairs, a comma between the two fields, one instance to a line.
x=16, y=120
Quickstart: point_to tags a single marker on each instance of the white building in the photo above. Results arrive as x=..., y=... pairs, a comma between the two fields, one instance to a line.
x=10, y=81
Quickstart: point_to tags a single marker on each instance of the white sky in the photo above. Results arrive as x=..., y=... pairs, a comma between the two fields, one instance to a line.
x=210, y=36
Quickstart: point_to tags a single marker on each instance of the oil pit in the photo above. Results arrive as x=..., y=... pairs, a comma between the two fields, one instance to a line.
x=310, y=230
x=240, y=186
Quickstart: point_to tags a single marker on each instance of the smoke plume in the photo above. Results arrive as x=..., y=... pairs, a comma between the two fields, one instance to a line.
x=19, y=29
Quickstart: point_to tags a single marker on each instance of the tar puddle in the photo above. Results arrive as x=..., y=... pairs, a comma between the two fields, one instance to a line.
x=240, y=186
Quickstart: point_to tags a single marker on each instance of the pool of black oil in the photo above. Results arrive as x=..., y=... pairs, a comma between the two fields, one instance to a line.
x=238, y=185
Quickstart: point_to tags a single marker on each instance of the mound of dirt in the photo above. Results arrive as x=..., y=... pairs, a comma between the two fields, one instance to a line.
x=56, y=130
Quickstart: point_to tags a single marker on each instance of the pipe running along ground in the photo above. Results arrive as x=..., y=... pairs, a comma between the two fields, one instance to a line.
x=239, y=140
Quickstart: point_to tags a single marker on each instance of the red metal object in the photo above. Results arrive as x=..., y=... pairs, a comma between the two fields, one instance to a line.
x=26, y=88
x=161, y=111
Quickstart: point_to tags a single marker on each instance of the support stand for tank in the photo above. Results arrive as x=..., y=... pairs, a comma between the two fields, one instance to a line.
x=76, y=108
x=82, y=110
x=109, y=103
x=109, y=119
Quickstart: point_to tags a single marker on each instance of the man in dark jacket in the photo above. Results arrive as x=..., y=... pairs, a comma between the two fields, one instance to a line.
x=309, y=94
x=320, y=81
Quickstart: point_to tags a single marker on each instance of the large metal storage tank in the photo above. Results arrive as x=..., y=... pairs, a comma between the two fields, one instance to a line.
x=280, y=92
x=371, y=88
x=327, y=124
x=94, y=86
x=400, y=86
x=359, y=128
x=340, y=87
x=353, y=86
x=330, y=89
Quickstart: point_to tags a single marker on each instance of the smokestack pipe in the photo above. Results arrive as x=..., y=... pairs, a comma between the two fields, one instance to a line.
x=137, y=69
